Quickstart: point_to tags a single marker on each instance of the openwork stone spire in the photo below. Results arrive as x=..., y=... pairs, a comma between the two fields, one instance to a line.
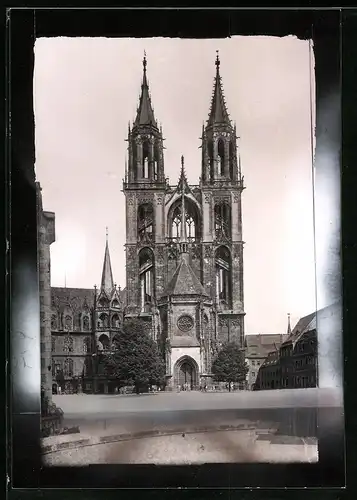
x=289, y=326
x=218, y=111
x=107, y=284
x=145, y=112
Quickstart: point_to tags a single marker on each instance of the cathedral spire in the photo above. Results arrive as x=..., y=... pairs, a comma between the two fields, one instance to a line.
x=289, y=326
x=145, y=113
x=107, y=283
x=218, y=111
x=183, y=238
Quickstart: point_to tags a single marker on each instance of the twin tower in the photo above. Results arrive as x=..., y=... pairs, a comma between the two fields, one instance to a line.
x=184, y=248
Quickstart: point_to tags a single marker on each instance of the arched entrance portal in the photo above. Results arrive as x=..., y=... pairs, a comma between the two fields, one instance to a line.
x=186, y=373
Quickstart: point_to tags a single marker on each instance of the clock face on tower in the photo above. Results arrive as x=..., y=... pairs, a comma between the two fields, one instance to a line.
x=185, y=323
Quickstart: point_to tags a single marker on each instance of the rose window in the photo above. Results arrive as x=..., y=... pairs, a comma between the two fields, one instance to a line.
x=185, y=323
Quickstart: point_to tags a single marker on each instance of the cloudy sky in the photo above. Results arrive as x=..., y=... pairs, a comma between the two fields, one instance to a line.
x=86, y=90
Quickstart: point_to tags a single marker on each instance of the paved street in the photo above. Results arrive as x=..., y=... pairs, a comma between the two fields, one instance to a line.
x=190, y=427
x=103, y=414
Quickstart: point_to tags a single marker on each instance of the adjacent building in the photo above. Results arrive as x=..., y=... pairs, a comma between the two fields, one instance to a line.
x=257, y=349
x=184, y=259
x=46, y=236
x=84, y=323
x=294, y=365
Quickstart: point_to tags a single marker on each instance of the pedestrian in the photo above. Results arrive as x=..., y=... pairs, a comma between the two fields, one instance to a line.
x=59, y=390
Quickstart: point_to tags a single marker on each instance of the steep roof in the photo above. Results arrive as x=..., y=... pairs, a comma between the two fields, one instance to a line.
x=305, y=324
x=258, y=345
x=77, y=298
x=107, y=283
x=218, y=111
x=184, y=281
x=145, y=112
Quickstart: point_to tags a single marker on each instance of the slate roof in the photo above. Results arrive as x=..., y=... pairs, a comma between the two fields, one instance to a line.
x=305, y=324
x=184, y=281
x=77, y=297
x=260, y=345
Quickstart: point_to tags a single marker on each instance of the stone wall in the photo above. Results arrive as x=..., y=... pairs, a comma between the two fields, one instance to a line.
x=46, y=236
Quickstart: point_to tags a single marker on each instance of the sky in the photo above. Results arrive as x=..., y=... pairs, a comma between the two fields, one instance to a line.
x=86, y=90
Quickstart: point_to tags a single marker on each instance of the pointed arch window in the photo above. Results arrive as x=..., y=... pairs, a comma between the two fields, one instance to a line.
x=210, y=159
x=54, y=322
x=145, y=222
x=115, y=304
x=191, y=222
x=68, y=367
x=68, y=344
x=146, y=273
x=231, y=160
x=145, y=164
x=223, y=275
x=222, y=220
x=56, y=368
x=85, y=323
x=220, y=157
x=156, y=161
x=86, y=345
x=103, y=343
x=68, y=322
x=103, y=302
x=103, y=321
x=77, y=321
x=115, y=321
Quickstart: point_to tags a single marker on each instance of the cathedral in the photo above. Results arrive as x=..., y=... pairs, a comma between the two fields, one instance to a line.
x=184, y=260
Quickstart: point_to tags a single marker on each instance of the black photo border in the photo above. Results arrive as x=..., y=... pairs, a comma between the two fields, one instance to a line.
x=24, y=26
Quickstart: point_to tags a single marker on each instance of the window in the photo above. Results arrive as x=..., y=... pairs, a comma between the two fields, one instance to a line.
x=145, y=164
x=86, y=345
x=253, y=374
x=103, y=302
x=253, y=362
x=146, y=267
x=77, y=321
x=53, y=340
x=223, y=285
x=210, y=159
x=145, y=223
x=231, y=160
x=103, y=320
x=221, y=157
x=68, y=344
x=222, y=220
x=68, y=367
x=103, y=342
x=191, y=221
x=68, y=322
x=115, y=321
x=86, y=323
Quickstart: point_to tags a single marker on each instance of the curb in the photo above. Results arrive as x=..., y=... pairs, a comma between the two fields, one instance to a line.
x=80, y=443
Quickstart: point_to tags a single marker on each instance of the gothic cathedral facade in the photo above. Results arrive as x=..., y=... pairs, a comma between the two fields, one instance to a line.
x=184, y=247
x=184, y=262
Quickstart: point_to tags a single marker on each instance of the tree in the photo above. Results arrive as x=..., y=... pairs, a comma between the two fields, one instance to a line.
x=229, y=365
x=136, y=359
